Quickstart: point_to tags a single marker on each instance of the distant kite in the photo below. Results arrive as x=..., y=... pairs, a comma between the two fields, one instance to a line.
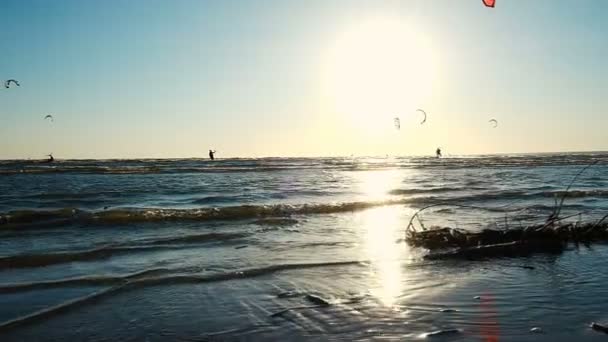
x=423, y=113
x=397, y=123
x=49, y=117
x=494, y=121
x=489, y=3
x=7, y=84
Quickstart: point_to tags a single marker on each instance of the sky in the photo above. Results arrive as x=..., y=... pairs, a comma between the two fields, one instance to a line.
x=254, y=78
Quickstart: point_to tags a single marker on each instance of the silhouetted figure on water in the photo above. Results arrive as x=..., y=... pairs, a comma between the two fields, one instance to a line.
x=212, y=154
x=438, y=152
x=51, y=159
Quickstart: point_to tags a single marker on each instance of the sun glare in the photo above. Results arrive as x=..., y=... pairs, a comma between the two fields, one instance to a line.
x=379, y=69
x=381, y=227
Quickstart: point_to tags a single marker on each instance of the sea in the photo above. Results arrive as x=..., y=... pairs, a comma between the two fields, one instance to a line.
x=294, y=249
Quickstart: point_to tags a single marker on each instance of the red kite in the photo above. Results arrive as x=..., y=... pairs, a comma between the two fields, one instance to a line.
x=489, y=3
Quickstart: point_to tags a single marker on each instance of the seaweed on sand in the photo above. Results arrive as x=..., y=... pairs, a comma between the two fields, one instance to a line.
x=552, y=235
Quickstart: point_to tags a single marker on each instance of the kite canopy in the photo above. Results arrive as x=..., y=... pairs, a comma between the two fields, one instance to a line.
x=489, y=3
x=494, y=121
x=423, y=113
x=49, y=117
x=7, y=84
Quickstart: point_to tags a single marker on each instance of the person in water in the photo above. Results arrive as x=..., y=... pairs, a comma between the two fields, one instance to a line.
x=212, y=154
x=51, y=159
x=438, y=152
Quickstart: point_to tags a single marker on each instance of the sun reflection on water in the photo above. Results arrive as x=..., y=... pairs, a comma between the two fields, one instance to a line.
x=380, y=229
x=376, y=185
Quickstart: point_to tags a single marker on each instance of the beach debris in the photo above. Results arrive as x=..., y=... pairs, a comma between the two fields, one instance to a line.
x=599, y=327
x=551, y=236
x=357, y=297
x=546, y=238
x=494, y=122
x=554, y=217
x=489, y=3
x=354, y=300
x=537, y=330
x=241, y=247
x=7, y=83
x=443, y=332
x=290, y=294
x=456, y=234
x=316, y=300
x=397, y=123
x=49, y=116
x=499, y=249
x=423, y=113
x=279, y=313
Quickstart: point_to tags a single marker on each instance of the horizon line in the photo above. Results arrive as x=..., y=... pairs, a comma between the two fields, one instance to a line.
x=448, y=155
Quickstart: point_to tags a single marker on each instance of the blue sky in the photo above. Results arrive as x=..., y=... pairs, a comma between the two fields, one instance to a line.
x=256, y=78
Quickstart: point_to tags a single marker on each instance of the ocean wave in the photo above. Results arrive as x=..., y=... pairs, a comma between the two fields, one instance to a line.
x=46, y=259
x=114, y=216
x=240, y=274
x=191, y=238
x=550, y=208
x=161, y=275
x=425, y=191
x=93, y=280
x=576, y=193
x=107, y=251
x=119, y=284
x=276, y=221
x=214, y=199
x=72, y=195
x=490, y=196
x=265, y=214
x=518, y=195
x=154, y=277
x=341, y=244
x=525, y=195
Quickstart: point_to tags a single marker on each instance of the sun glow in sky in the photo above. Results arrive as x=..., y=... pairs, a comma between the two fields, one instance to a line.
x=379, y=69
x=163, y=78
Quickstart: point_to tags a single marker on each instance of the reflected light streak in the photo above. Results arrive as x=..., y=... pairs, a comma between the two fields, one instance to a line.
x=381, y=227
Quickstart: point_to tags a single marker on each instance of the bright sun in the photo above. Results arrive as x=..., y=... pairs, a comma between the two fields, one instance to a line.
x=379, y=69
